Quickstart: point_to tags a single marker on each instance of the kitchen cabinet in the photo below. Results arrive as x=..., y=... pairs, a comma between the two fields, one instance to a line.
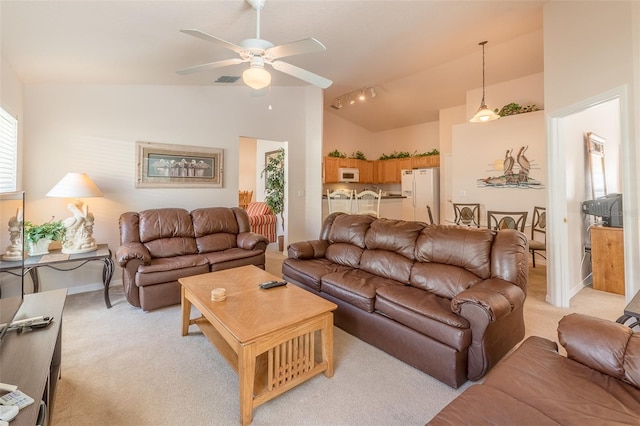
x=425, y=161
x=366, y=171
x=402, y=164
x=330, y=169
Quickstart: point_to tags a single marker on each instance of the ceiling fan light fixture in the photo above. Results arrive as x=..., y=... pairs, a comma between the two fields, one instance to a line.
x=483, y=114
x=361, y=96
x=256, y=77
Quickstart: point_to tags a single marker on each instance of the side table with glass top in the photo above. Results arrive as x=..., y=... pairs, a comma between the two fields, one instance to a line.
x=55, y=259
x=631, y=312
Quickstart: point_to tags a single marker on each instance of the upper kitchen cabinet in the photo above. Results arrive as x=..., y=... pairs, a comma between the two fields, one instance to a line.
x=367, y=174
x=330, y=169
x=425, y=161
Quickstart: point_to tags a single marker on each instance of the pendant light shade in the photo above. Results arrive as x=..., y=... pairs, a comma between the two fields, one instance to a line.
x=484, y=113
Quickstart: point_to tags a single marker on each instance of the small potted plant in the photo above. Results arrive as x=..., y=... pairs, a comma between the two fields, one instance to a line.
x=38, y=237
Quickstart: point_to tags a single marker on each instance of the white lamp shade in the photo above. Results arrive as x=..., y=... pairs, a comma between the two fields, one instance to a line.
x=256, y=77
x=75, y=185
x=484, y=114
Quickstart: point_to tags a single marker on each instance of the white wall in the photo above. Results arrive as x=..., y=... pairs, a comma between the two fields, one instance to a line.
x=475, y=148
x=346, y=137
x=580, y=67
x=94, y=129
x=247, y=168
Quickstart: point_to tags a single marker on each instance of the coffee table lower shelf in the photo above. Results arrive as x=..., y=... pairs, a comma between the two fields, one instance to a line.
x=279, y=364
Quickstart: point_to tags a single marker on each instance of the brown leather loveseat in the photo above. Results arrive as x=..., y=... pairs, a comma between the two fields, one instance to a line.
x=597, y=383
x=447, y=300
x=159, y=246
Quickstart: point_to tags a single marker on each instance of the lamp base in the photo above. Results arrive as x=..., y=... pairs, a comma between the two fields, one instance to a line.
x=72, y=250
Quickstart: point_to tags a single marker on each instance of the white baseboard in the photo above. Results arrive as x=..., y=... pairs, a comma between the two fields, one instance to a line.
x=87, y=288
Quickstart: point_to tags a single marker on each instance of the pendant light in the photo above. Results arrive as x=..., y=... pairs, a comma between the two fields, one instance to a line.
x=484, y=113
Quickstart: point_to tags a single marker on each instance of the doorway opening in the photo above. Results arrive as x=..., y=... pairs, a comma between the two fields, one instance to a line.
x=252, y=156
x=602, y=114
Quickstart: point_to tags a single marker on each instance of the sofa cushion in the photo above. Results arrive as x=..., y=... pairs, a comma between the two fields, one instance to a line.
x=355, y=287
x=309, y=272
x=424, y=312
x=167, y=232
x=166, y=269
x=230, y=254
x=386, y=264
x=344, y=254
x=216, y=242
x=484, y=406
x=565, y=390
x=350, y=229
x=468, y=248
x=214, y=220
x=394, y=236
x=443, y=280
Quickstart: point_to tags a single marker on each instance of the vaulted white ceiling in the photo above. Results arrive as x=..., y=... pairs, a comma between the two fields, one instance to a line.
x=421, y=56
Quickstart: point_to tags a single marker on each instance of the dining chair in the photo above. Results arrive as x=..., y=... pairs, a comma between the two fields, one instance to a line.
x=538, y=229
x=244, y=198
x=368, y=202
x=506, y=220
x=340, y=200
x=429, y=214
x=467, y=214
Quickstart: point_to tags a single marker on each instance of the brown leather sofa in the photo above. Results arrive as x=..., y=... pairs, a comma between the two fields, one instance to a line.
x=598, y=383
x=447, y=300
x=160, y=246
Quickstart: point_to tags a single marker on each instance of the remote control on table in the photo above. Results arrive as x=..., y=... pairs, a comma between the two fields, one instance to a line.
x=17, y=398
x=272, y=284
x=8, y=412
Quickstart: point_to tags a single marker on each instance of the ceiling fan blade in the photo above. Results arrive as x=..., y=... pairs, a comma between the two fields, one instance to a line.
x=302, y=74
x=308, y=45
x=211, y=65
x=216, y=40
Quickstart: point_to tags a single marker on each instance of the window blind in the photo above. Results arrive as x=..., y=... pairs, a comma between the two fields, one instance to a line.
x=8, y=151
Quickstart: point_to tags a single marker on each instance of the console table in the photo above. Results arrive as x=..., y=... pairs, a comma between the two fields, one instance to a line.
x=31, y=360
x=32, y=263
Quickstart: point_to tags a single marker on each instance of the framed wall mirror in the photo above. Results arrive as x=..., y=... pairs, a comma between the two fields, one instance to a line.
x=595, y=152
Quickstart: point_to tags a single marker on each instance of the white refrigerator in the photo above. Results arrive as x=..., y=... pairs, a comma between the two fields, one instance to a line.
x=421, y=187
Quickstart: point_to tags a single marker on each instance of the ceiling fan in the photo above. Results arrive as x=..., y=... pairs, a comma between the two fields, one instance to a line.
x=258, y=52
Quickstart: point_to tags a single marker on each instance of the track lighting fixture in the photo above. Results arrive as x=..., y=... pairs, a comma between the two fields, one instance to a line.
x=484, y=113
x=360, y=94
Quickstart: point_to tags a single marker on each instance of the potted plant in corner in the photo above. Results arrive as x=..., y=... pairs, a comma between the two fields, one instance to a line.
x=38, y=237
x=273, y=174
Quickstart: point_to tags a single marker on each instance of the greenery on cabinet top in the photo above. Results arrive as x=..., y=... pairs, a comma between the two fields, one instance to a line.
x=395, y=154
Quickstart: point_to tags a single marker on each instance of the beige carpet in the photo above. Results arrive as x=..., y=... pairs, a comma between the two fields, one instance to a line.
x=122, y=366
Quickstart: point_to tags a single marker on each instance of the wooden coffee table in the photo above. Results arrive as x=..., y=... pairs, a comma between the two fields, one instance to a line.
x=268, y=336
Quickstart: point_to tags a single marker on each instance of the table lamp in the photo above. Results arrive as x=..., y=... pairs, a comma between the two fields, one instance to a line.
x=79, y=228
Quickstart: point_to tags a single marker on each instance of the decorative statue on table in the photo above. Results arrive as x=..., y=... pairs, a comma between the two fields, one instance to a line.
x=15, y=250
x=79, y=230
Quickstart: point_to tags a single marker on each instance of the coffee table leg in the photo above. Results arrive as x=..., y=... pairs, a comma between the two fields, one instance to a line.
x=327, y=344
x=186, y=312
x=246, y=373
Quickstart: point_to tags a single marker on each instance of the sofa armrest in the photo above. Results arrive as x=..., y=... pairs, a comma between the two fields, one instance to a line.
x=496, y=296
x=308, y=249
x=252, y=241
x=130, y=251
x=494, y=309
x=605, y=346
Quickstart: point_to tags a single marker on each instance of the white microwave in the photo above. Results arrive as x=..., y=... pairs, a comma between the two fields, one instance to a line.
x=348, y=174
